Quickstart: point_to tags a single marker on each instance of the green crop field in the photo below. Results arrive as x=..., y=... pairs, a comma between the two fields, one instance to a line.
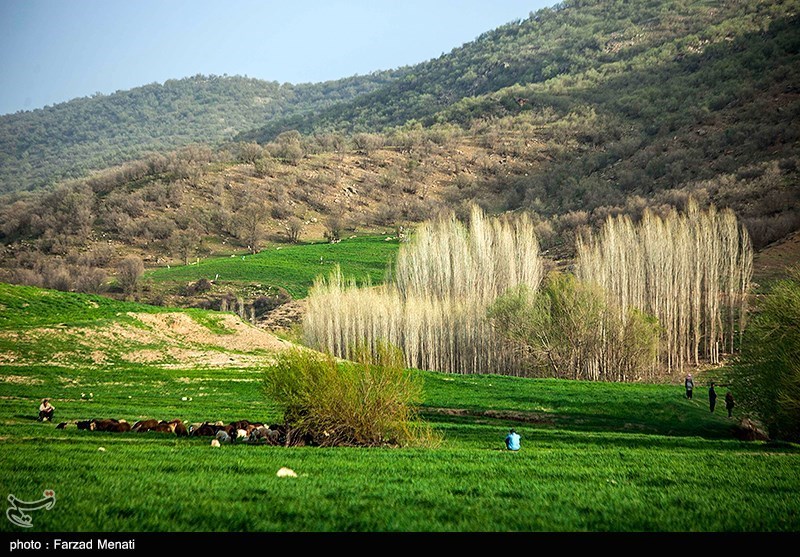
x=595, y=456
x=293, y=267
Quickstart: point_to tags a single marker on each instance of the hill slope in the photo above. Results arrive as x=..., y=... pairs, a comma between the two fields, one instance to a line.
x=629, y=99
x=69, y=139
x=577, y=113
x=49, y=328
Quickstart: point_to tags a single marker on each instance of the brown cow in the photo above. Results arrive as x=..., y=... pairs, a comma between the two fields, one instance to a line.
x=111, y=425
x=205, y=430
x=86, y=424
x=144, y=425
x=180, y=429
x=163, y=427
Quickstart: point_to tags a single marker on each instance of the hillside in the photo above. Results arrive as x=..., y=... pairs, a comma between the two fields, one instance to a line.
x=67, y=140
x=49, y=328
x=574, y=114
x=629, y=99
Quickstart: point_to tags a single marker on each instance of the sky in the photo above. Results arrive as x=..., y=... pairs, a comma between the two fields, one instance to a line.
x=52, y=51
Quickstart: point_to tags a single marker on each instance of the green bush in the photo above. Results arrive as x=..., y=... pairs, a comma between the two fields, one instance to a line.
x=765, y=378
x=569, y=329
x=369, y=401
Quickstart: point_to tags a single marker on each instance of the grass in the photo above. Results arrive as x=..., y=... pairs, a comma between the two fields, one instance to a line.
x=292, y=267
x=604, y=457
x=25, y=307
x=595, y=456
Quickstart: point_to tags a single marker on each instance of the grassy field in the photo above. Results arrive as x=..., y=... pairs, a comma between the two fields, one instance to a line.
x=292, y=267
x=595, y=456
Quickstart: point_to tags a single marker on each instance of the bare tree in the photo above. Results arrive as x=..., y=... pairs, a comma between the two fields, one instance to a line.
x=129, y=271
x=435, y=309
x=691, y=271
x=251, y=219
x=333, y=227
x=184, y=243
x=293, y=229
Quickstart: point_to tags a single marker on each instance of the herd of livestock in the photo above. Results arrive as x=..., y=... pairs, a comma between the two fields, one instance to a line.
x=242, y=431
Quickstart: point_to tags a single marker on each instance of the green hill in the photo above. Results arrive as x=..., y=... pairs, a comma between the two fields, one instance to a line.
x=69, y=139
x=627, y=98
x=580, y=112
x=292, y=267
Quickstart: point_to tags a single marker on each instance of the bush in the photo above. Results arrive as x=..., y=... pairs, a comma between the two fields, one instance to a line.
x=765, y=378
x=367, y=402
x=129, y=271
x=569, y=330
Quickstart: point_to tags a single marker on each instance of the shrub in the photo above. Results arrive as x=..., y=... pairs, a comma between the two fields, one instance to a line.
x=568, y=329
x=367, y=402
x=89, y=279
x=766, y=376
x=129, y=271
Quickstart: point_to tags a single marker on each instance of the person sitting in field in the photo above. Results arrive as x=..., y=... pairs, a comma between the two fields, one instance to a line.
x=512, y=440
x=46, y=410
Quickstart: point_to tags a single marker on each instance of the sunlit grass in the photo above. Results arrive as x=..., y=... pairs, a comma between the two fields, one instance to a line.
x=595, y=456
x=292, y=267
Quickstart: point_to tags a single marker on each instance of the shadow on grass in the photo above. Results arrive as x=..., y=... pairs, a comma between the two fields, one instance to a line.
x=584, y=423
x=490, y=433
x=29, y=418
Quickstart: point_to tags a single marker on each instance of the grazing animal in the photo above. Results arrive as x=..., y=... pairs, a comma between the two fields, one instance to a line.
x=180, y=429
x=144, y=425
x=104, y=425
x=112, y=425
x=257, y=434
x=241, y=424
x=286, y=473
x=163, y=427
x=222, y=436
x=230, y=430
x=62, y=425
x=204, y=430
x=214, y=443
x=86, y=424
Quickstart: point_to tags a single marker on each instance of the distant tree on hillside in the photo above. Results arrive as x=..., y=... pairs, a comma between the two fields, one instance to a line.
x=184, y=243
x=294, y=227
x=251, y=219
x=129, y=271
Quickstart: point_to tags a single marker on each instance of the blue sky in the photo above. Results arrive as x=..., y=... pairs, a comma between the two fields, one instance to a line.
x=52, y=51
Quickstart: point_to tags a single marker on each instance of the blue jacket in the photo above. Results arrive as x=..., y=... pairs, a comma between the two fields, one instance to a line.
x=512, y=441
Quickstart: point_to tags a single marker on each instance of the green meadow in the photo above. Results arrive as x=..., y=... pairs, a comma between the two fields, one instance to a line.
x=595, y=456
x=292, y=267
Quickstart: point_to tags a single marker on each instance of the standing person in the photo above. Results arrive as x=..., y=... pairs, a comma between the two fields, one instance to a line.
x=46, y=410
x=712, y=397
x=512, y=440
x=729, y=403
x=689, y=383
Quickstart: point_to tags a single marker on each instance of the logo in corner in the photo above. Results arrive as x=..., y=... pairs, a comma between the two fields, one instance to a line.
x=18, y=508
